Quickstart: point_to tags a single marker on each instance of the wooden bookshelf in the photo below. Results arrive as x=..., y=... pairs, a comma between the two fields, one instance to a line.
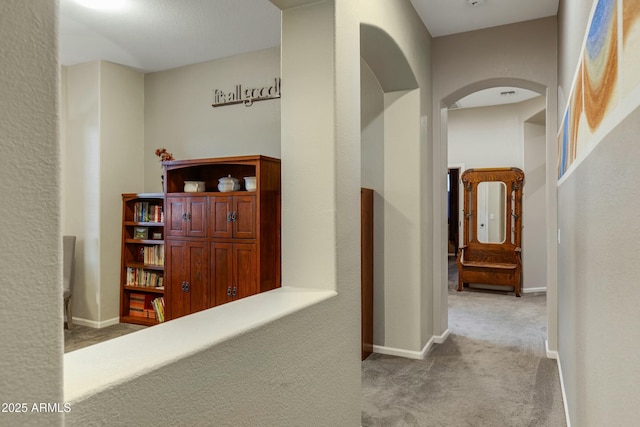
x=142, y=257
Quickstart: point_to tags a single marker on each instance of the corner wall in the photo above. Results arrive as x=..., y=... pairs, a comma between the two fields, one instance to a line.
x=103, y=158
x=31, y=245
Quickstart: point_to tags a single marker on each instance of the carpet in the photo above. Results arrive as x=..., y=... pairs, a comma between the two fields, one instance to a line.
x=491, y=371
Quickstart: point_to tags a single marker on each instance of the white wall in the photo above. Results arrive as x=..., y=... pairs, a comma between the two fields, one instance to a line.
x=179, y=116
x=372, y=176
x=81, y=183
x=486, y=137
x=31, y=263
x=534, y=223
x=103, y=158
x=121, y=169
x=522, y=55
x=599, y=338
x=395, y=34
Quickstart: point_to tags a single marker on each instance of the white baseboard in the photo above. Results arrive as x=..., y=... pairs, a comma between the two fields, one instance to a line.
x=410, y=354
x=564, y=393
x=439, y=339
x=94, y=324
x=534, y=290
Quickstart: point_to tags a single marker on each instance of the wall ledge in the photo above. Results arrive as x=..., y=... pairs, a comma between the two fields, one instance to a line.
x=96, y=368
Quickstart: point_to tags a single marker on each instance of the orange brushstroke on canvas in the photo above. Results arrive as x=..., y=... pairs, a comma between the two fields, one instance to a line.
x=597, y=96
x=630, y=14
x=576, y=111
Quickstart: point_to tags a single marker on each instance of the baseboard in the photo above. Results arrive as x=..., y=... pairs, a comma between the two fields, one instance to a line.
x=439, y=339
x=94, y=324
x=409, y=354
x=534, y=290
x=564, y=392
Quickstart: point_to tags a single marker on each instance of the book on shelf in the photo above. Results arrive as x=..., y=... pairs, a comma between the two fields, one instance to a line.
x=143, y=278
x=146, y=212
x=158, y=306
x=153, y=255
x=141, y=305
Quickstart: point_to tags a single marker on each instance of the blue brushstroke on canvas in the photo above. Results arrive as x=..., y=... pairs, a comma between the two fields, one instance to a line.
x=600, y=25
x=565, y=144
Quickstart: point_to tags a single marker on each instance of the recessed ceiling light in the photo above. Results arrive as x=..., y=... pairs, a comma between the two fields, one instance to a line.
x=475, y=3
x=107, y=5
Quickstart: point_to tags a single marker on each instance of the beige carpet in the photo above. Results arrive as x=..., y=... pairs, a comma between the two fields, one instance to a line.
x=491, y=371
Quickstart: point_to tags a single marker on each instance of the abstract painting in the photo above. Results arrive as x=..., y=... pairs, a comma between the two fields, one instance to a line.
x=606, y=87
x=630, y=63
x=600, y=63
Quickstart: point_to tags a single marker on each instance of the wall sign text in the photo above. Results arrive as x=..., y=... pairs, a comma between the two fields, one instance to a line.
x=246, y=96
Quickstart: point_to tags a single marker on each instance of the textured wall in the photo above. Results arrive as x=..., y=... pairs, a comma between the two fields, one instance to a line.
x=31, y=287
x=597, y=281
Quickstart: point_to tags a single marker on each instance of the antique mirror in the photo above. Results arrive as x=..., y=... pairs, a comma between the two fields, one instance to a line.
x=492, y=205
x=491, y=250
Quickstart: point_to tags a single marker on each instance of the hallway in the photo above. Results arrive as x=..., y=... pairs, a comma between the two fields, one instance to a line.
x=491, y=371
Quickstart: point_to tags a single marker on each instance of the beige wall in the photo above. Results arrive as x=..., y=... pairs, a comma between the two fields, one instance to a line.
x=103, y=158
x=179, y=117
x=521, y=55
x=31, y=264
x=599, y=338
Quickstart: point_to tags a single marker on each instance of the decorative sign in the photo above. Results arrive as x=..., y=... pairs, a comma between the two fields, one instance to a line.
x=246, y=96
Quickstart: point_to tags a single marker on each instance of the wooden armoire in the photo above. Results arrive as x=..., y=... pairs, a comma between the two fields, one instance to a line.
x=220, y=246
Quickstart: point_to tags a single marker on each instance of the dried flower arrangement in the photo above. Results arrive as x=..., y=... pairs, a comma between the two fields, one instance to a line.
x=164, y=155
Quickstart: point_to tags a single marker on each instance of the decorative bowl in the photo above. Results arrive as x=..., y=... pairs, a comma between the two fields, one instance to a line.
x=250, y=183
x=194, y=186
x=228, y=183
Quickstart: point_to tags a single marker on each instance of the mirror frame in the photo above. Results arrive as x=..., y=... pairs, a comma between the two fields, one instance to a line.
x=513, y=178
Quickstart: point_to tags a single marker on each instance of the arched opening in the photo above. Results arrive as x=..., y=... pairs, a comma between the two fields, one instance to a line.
x=390, y=153
x=528, y=121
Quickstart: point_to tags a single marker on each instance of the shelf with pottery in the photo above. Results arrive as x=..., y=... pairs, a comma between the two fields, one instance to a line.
x=222, y=230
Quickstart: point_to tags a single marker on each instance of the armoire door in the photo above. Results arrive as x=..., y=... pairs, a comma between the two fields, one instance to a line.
x=187, y=271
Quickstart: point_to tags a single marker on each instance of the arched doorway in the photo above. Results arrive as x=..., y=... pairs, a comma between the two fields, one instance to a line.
x=548, y=213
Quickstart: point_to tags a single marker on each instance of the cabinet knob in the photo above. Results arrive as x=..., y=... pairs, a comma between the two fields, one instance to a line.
x=234, y=293
x=229, y=291
x=234, y=215
x=185, y=286
x=229, y=217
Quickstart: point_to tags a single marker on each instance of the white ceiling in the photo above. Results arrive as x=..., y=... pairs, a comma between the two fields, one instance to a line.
x=444, y=17
x=155, y=35
x=495, y=96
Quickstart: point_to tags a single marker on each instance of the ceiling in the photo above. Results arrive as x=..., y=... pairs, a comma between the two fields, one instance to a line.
x=444, y=17
x=155, y=35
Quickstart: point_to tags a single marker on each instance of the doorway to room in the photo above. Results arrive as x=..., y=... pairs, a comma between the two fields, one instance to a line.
x=453, y=210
